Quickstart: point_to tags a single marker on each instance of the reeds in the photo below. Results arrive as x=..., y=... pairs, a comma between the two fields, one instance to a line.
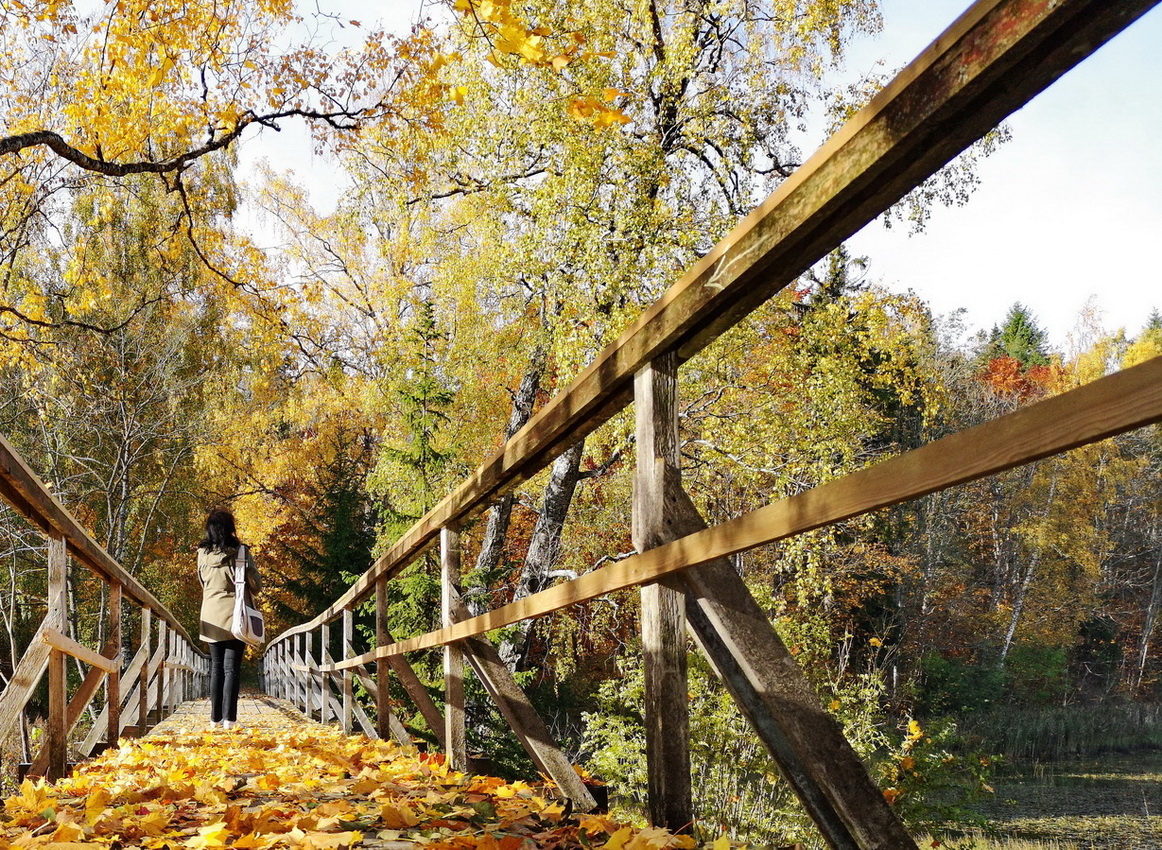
x=1064, y=732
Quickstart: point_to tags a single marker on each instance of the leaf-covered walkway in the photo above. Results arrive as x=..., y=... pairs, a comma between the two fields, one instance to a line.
x=280, y=780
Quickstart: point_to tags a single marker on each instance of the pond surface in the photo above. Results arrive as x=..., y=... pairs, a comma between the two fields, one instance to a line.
x=1112, y=801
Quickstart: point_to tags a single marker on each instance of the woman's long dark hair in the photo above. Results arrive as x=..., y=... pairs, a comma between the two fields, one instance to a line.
x=220, y=531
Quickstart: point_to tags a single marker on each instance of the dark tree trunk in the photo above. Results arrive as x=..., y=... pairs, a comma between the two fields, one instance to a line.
x=492, y=547
x=545, y=546
x=496, y=530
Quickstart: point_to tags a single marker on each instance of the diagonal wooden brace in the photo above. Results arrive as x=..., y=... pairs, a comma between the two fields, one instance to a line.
x=521, y=716
x=29, y=671
x=416, y=690
x=397, y=728
x=77, y=705
x=769, y=687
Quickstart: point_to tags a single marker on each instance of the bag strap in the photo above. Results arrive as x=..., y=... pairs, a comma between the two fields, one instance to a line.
x=240, y=569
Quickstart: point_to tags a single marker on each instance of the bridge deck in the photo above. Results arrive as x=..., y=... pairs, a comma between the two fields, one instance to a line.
x=281, y=780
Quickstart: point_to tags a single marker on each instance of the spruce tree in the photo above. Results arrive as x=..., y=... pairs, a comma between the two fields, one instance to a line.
x=1020, y=337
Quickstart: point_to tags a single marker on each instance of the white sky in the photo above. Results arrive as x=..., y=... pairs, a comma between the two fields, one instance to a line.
x=1069, y=210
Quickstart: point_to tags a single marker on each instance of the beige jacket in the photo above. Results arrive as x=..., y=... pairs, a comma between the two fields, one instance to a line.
x=216, y=572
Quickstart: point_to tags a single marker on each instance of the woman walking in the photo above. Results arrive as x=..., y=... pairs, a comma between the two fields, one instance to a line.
x=218, y=555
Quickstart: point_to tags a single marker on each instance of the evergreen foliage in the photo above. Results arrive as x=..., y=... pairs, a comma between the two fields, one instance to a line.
x=1019, y=337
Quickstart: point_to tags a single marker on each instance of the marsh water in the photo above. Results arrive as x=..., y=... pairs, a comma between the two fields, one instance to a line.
x=1110, y=801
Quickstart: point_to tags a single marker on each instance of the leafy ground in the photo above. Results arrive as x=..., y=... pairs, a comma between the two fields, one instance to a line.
x=280, y=781
x=1113, y=801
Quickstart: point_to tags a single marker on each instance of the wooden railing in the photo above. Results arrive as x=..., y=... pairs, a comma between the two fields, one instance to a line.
x=153, y=683
x=990, y=62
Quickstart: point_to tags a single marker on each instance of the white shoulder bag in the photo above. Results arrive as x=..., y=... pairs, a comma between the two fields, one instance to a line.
x=248, y=625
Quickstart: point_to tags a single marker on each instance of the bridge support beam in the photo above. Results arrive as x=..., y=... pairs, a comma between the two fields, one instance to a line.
x=455, y=734
x=521, y=715
x=56, y=735
x=407, y=677
x=771, y=690
x=663, y=612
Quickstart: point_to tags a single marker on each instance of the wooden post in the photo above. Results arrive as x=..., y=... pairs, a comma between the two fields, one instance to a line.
x=283, y=672
x=455, y=737
x=348, y=679
x=310, y=673
x=163, y=649
x=143, y=691
x=113, y=680
x=179, y=681
x=56, y=728
x=382, y=638
x=288, y=673
x=306, y=673
x=663, y=608
x=324, y=677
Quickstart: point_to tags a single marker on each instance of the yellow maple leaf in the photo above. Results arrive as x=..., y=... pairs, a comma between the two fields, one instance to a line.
x=268, y=782
x=96, y=804
x=68, y=831
x=327, y=840
x=211, y=835
x=397, y=817
x=618, y=839
x=251, y=841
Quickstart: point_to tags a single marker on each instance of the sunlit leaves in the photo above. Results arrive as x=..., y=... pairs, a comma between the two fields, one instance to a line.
x=512, y=38
x=306, y=786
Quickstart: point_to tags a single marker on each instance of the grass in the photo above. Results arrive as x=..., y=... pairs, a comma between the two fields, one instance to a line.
x=978, y=841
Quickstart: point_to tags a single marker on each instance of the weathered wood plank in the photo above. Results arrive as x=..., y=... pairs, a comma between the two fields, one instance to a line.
x=663, y=609
x=113, y=681
x=56, y=735
x=767, y=684
x=382, y=692
x=1108, y=406
x=27, y=675
x=163, y=644
x=455, y=733
x=525, y=722
x=143, y=684
x=67, y=645
x=348, y=681
x=324, y=658
x=989, y=63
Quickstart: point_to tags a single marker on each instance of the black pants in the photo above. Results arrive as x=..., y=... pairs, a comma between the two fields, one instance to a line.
x=225, y=673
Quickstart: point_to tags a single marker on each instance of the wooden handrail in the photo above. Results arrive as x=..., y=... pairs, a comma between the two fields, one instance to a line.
x=996, y=57
x=28, y=496
x=1109, y=406
x=990, y=62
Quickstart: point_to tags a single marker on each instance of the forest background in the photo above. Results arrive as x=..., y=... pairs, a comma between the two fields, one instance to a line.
x=525, y=178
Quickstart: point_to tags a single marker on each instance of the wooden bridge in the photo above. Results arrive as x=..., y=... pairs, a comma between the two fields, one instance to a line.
x=989, y=63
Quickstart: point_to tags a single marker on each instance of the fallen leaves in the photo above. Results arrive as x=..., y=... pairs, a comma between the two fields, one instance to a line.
x=283, y=782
